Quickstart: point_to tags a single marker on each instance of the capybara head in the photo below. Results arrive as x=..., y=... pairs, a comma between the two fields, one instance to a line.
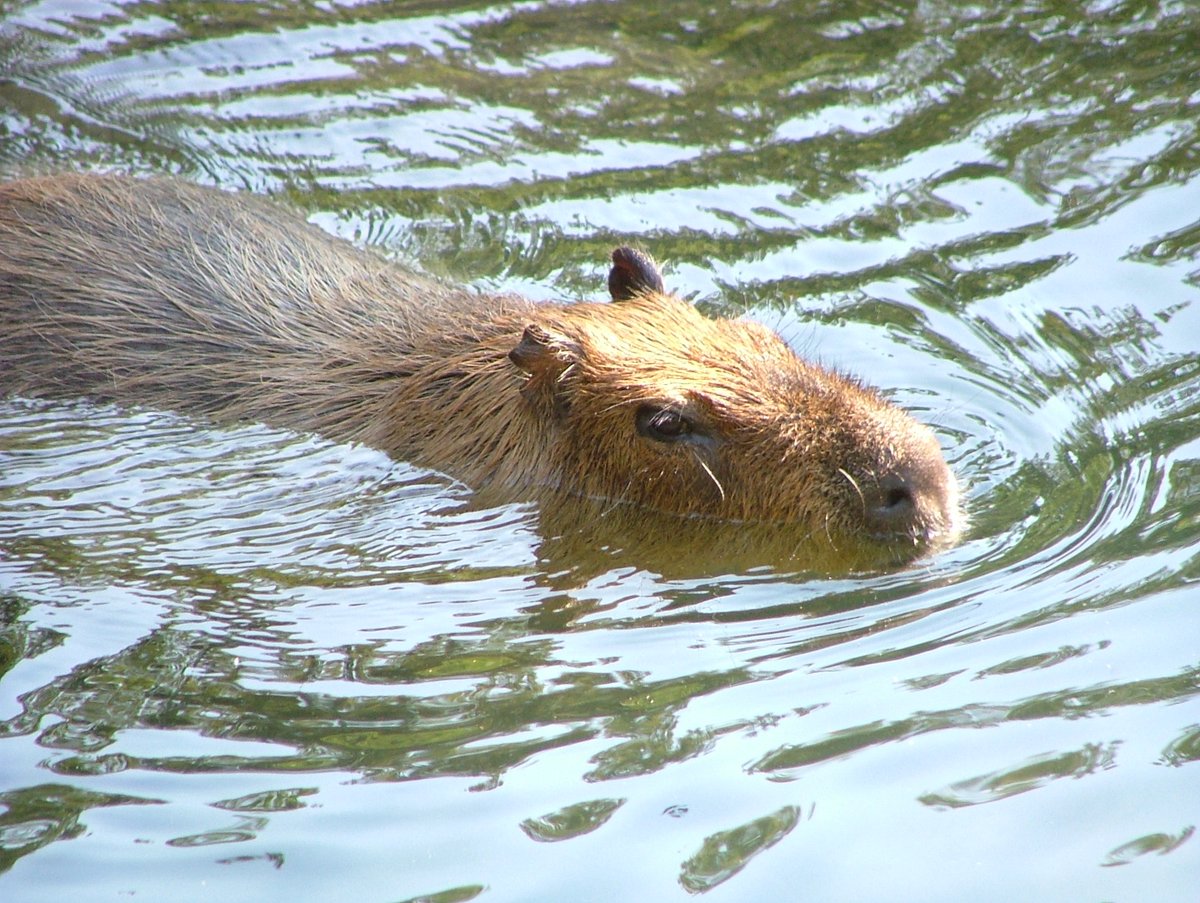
x=653, y=403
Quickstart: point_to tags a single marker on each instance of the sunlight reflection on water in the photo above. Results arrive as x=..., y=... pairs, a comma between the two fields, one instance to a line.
x=230, y=647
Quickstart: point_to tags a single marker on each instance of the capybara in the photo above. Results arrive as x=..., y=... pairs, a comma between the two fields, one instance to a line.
x=161, y=292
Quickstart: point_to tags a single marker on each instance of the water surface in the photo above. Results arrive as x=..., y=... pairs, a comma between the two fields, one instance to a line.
x=251, y=664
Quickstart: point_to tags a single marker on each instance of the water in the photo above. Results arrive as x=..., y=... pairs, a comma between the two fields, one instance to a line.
x=250, y=664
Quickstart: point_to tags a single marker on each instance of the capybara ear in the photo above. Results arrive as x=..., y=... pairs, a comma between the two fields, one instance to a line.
x=540, y=351
x=545, y=357
x=633, y=273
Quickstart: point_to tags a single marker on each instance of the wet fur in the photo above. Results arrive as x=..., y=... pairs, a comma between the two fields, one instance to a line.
x=161, y=292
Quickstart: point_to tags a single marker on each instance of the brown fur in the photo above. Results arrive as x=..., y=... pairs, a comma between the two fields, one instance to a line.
x=161, y=292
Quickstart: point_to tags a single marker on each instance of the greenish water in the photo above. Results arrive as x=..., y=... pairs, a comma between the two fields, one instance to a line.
x=247, y=664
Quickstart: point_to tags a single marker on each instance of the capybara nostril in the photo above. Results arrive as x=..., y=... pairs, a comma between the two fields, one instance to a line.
x=897, y=498
x=889, y=507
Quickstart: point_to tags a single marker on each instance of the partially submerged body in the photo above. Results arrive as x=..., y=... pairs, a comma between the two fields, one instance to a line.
x=160, y=292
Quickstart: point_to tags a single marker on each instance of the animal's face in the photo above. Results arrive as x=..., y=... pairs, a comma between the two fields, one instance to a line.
x=655, y=404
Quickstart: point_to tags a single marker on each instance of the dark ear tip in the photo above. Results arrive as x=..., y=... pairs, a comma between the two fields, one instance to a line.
x=632, y=260
x=633, y=273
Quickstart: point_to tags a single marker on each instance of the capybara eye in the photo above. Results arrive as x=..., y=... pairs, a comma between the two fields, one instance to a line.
x=662, y=424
